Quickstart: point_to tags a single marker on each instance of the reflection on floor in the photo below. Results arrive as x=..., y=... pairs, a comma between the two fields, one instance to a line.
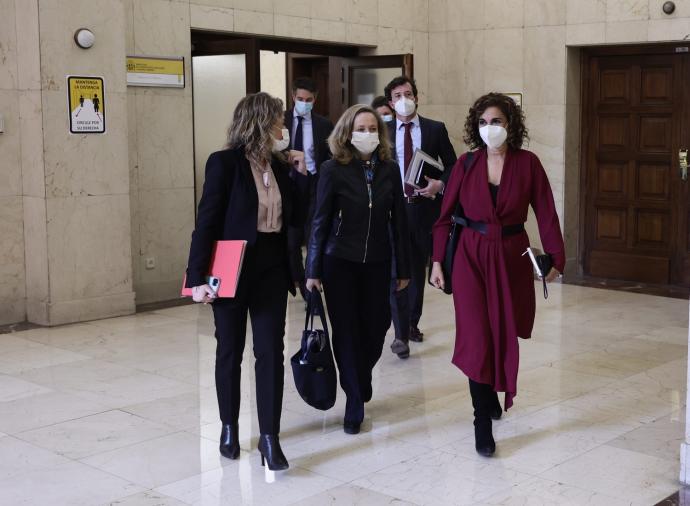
x=123, y=411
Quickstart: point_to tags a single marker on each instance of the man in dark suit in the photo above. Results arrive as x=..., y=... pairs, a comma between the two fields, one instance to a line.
x=409, y=132
x=308, y=133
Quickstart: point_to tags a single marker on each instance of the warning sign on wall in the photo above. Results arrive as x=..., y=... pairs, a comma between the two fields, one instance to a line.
x=86, y=105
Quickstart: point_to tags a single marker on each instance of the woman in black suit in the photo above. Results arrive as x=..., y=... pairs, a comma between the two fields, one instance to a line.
x=249, y=194
x=359, y=199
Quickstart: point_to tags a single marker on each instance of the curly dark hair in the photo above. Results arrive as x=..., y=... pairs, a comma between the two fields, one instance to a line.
x=399, y=81
x=517, y=131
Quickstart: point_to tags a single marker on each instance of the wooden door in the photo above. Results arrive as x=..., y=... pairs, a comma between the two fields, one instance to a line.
x=636, y=203
x=361, y=79
x=315, y=67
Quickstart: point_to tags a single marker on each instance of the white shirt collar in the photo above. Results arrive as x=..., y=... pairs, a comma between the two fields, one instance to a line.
x=295, y=115
x=414, y=121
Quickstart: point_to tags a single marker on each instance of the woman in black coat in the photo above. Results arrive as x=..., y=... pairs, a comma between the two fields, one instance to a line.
x=249, y=194
x=359, y=220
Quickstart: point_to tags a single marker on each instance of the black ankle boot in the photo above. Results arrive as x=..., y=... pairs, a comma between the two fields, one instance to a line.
x=496, y=408
x=481, y=401
x=270, y=450
x=229, y=441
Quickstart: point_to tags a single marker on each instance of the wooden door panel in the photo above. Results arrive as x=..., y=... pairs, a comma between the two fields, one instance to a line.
x=631, y=204
x=653, y=182
x=656, y=86
x=614, y=132
x=652, y=228
x=655, y=134
x=640, y=268
x=612, y=179
x=615, y=86
x=611, y=225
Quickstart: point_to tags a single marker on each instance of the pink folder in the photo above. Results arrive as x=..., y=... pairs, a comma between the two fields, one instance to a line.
x=226, y=265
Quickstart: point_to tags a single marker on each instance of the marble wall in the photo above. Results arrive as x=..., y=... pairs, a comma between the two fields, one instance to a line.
x=161, y=149
x=12, y=269
x=80, y=215
x=531, y=46
x=64, y=213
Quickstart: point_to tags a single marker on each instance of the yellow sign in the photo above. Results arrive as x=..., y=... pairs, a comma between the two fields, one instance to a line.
x=86, y=101
x=144, y=71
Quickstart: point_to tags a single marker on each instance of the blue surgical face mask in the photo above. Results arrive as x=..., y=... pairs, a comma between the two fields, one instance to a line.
x=387, y=117
x=303, y=108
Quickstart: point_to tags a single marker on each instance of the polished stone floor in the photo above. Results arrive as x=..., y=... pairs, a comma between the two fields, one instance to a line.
x=123, y=411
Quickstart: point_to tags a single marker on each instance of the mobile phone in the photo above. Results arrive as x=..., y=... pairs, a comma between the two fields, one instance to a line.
x=214, y=283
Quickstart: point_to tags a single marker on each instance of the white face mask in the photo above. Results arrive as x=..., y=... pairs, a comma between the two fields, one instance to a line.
x=365, y=142
x=493, y=135
x=387, y=117
x=303, y=108
x=282, y=144
x=404, y=106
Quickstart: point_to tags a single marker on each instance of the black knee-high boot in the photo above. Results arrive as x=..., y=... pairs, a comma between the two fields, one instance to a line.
x=482, y=401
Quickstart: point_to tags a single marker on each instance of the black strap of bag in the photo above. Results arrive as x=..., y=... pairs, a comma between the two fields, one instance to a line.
x=459, y=214
x=545, y=263
x=314, y=302
x=457, y=220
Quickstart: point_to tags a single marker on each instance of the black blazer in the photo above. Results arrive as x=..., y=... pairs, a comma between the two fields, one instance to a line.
x=229, y=206
x=435, y=143
x=321, y=129
x=346, y=226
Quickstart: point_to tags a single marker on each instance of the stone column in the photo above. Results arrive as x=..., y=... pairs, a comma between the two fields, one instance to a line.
x=685, y=445
x=76, y=187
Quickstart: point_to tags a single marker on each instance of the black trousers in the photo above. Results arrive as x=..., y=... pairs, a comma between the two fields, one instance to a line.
x=262, y=292
x=298, y=236
x=407, y=304
x=359, y=310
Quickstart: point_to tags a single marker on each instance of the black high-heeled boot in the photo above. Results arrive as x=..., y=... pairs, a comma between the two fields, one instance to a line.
x=271, y=453
x=496, y=408
x=229, y=441
x=481, y=401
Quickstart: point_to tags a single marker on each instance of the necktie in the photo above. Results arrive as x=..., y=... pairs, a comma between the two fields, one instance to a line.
x=407, y=156
x=298, y=143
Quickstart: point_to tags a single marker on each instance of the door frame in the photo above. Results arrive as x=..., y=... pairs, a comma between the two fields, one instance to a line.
x=342, y=67
x=586, y=114
x=208, y=42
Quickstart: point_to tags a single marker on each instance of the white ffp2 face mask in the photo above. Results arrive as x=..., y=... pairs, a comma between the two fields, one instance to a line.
x=284, y=143
x=365, y=142
x=493, y=135
x=404, y=106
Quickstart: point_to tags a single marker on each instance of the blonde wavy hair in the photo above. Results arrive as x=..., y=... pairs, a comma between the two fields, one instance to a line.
x=252, y=122
x=339, y=140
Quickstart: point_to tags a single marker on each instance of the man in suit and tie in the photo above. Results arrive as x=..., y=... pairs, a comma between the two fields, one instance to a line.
x=308, y=133
x=409, y=132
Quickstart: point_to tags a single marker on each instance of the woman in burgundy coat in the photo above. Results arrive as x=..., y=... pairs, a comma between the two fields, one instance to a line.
x=493, y=283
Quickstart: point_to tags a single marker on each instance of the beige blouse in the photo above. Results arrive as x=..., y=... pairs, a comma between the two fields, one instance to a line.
x=270, y=218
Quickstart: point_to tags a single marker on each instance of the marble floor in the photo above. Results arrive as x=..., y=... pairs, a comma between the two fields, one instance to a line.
x=123, y=411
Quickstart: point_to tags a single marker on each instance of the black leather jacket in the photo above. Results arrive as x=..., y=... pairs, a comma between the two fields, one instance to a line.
x=348, y=224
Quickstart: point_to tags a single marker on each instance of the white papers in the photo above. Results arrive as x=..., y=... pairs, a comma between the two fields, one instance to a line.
x=533, y=253
x=419, y=158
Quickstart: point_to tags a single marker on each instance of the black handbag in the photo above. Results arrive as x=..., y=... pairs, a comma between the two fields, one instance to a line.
x=545, y=263
x=458, y=221
x=313, y=367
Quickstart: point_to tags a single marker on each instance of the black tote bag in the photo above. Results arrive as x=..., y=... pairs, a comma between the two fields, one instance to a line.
x=458, y=221
x=313, y=367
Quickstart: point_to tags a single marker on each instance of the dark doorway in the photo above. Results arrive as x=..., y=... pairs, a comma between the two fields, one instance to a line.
x=342, y=76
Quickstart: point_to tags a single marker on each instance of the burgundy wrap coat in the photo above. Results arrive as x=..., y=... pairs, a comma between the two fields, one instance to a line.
x=493, y=284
